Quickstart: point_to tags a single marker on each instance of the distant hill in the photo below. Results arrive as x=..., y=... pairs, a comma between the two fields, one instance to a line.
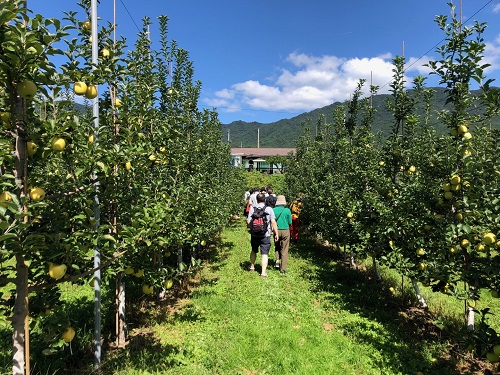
x=284, y=133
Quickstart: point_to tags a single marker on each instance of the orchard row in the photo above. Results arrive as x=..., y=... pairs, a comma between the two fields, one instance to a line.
x=423, y=203
x=142, y=184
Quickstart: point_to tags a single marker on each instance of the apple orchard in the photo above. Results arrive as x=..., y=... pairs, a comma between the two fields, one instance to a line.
x=143, y=187
x=424, y=204
x=152, y=185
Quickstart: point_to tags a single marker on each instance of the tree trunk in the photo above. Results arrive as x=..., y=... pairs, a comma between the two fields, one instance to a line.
x=419, y=295
x=470, y=318
x=121, y=327
x=19, y=316
x=377, y=273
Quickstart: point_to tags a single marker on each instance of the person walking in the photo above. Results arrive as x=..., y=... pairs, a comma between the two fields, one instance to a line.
x=253, y=197
x=283, y=222
x=296, y=207
x=262, y=223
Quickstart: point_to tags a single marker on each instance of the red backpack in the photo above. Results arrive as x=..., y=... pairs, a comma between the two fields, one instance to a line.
x=258, y=222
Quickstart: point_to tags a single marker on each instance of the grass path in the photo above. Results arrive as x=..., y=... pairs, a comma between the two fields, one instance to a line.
x=319, y=318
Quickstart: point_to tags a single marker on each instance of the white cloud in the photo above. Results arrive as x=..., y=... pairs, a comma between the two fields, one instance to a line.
x=496, y=8
x=311, y=82
x=492, y=54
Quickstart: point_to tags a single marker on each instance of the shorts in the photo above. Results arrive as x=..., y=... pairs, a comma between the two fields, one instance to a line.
x=263, y=242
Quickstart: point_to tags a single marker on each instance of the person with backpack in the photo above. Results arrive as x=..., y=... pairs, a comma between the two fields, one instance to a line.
x=262, y=223
x=270, y=198
x=283, y=222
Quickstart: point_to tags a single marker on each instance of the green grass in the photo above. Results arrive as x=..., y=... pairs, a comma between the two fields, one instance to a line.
x=322, y=317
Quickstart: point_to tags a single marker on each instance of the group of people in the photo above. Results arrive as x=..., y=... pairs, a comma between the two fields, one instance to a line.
x=267, y=215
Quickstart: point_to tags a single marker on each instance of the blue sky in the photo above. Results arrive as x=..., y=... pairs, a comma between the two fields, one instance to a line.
x=265, y=60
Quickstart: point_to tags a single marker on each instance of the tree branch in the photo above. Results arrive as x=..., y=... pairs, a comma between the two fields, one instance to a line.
x=74, y=278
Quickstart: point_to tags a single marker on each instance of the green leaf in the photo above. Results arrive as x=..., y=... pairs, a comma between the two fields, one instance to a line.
x=8, y=236
x=108, y=237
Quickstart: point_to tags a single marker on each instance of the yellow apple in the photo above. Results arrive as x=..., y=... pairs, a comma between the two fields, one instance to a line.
x=147, y=289
x=465, y=243
x=91, y=138
x=152, y=157
x=91, y=91
x=420, y=251
x=37, y=194
x=68, y=335
x=480, y=247
x=31, y=148
x=459, y=216
x=455, y=187
x=87, y=25
x=350, y=215
x=467, y=136
x=422, y=266
x=446, y=186
x=168, y=283
x=5, y=196
x=105, y=52
x=128, y=165
x=57, y=271
x=448, y=195
x=80, y=88
x=129, y=271
x=455, y=179
x=139, y=273
x=462, y=129
x=489, y=238
x=453, y=250
x=58, y=144
x=90, y=39
x=412, y=169
x=203, y=242
x=118, y=102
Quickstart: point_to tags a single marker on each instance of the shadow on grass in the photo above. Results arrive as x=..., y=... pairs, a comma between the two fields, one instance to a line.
x=144, y=353
x=409, y=328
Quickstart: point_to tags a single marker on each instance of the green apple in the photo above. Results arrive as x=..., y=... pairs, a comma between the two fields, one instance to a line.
x=27, y=89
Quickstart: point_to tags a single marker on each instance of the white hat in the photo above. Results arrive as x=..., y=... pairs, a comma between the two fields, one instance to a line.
x=280, y=200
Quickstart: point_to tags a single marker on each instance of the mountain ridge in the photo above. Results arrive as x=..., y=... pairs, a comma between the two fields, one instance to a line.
x=285, y=132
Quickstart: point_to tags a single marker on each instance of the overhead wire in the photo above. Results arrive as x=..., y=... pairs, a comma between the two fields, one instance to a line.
x=441, y=41
x=130, y=15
